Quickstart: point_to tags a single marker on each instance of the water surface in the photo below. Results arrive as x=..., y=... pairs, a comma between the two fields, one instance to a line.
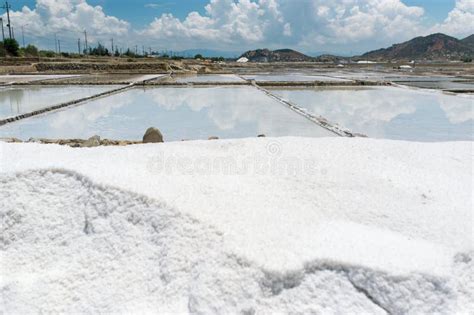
x=24, y=78
x=17, y=100
x=180, y=113
x=207, y=78
x=292, y=77
x=441, y=85
x=390, y=112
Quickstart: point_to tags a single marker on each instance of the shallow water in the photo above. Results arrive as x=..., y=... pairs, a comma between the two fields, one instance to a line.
x=292, y=78
x=16, y=78
x=180, y=113
x=207, y=78
x=441, y=85
x=390, y=112
x=428, y=82
x=17, y=100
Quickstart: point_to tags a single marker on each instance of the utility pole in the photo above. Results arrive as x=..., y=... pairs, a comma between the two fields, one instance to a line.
x=3, y=31
x=112, y=45
x=136, y=49
x=59, y=46
x=55, y=43
x=13, y=32
x=23, y=35
x=8, y=7
x=85, y=41
x=79, y=45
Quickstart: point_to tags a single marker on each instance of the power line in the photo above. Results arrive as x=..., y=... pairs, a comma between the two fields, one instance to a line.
x=8, y=7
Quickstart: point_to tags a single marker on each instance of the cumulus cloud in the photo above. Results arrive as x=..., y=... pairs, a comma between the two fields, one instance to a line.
x=67, y=18
x=460, y=21
x=225, y=22
x=301, y=23
x=308, y=25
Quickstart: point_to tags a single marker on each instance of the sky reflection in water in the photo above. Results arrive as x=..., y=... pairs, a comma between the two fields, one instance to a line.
x=391, y=113
x=180, y=113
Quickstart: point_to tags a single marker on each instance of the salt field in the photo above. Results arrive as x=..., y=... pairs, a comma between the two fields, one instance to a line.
x=237, y=157
x=426, y=82
x=390, y=112
x=191, y=113
x=441, y=84
x=207, y=78
x=293, y=77
x=17, y=100
x=25, y=78
x=180, y=113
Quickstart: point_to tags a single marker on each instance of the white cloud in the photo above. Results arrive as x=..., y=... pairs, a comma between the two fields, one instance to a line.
x=460, y=21
x=309, y=25
x=233, y=23
x=225, y=22
x=67, y=18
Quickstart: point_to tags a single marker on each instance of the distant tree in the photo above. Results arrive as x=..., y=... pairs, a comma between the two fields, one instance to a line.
x=198, y=56
x=217, y=58
x=11, y=46
x=100, y=50
x=47, y=53
x=466, y=59
x=117, y=53
x=3, y=52
x=31, y=51
x=130, y=53
x=165, y=56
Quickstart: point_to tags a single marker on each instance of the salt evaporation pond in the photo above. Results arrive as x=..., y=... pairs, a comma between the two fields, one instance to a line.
x=199, y=78
x=25, y=78
x=441, y=85
x=390, y=112
x=292, y=77
x=428, y=82
x=180, y=113
x=17, y=100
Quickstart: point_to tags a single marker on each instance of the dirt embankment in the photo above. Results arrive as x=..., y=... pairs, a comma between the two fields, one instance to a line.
x=142, y=67
x=70, y=67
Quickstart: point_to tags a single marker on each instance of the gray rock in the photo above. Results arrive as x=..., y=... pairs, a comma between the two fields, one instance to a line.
x=213, y=138
x=10, y=140
x=34, y=140
x=152, y=135
x=91, y=142
x=261, y=136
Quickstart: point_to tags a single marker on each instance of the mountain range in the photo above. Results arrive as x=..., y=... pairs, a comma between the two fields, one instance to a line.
x=281, y=55
x=432, y=47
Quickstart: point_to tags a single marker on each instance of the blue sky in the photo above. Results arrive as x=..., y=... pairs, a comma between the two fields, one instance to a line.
x=142, y=12
x=235, y=25
x=138, y=12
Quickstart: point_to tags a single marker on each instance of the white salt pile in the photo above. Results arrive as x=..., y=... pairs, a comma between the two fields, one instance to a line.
x=288, y=225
